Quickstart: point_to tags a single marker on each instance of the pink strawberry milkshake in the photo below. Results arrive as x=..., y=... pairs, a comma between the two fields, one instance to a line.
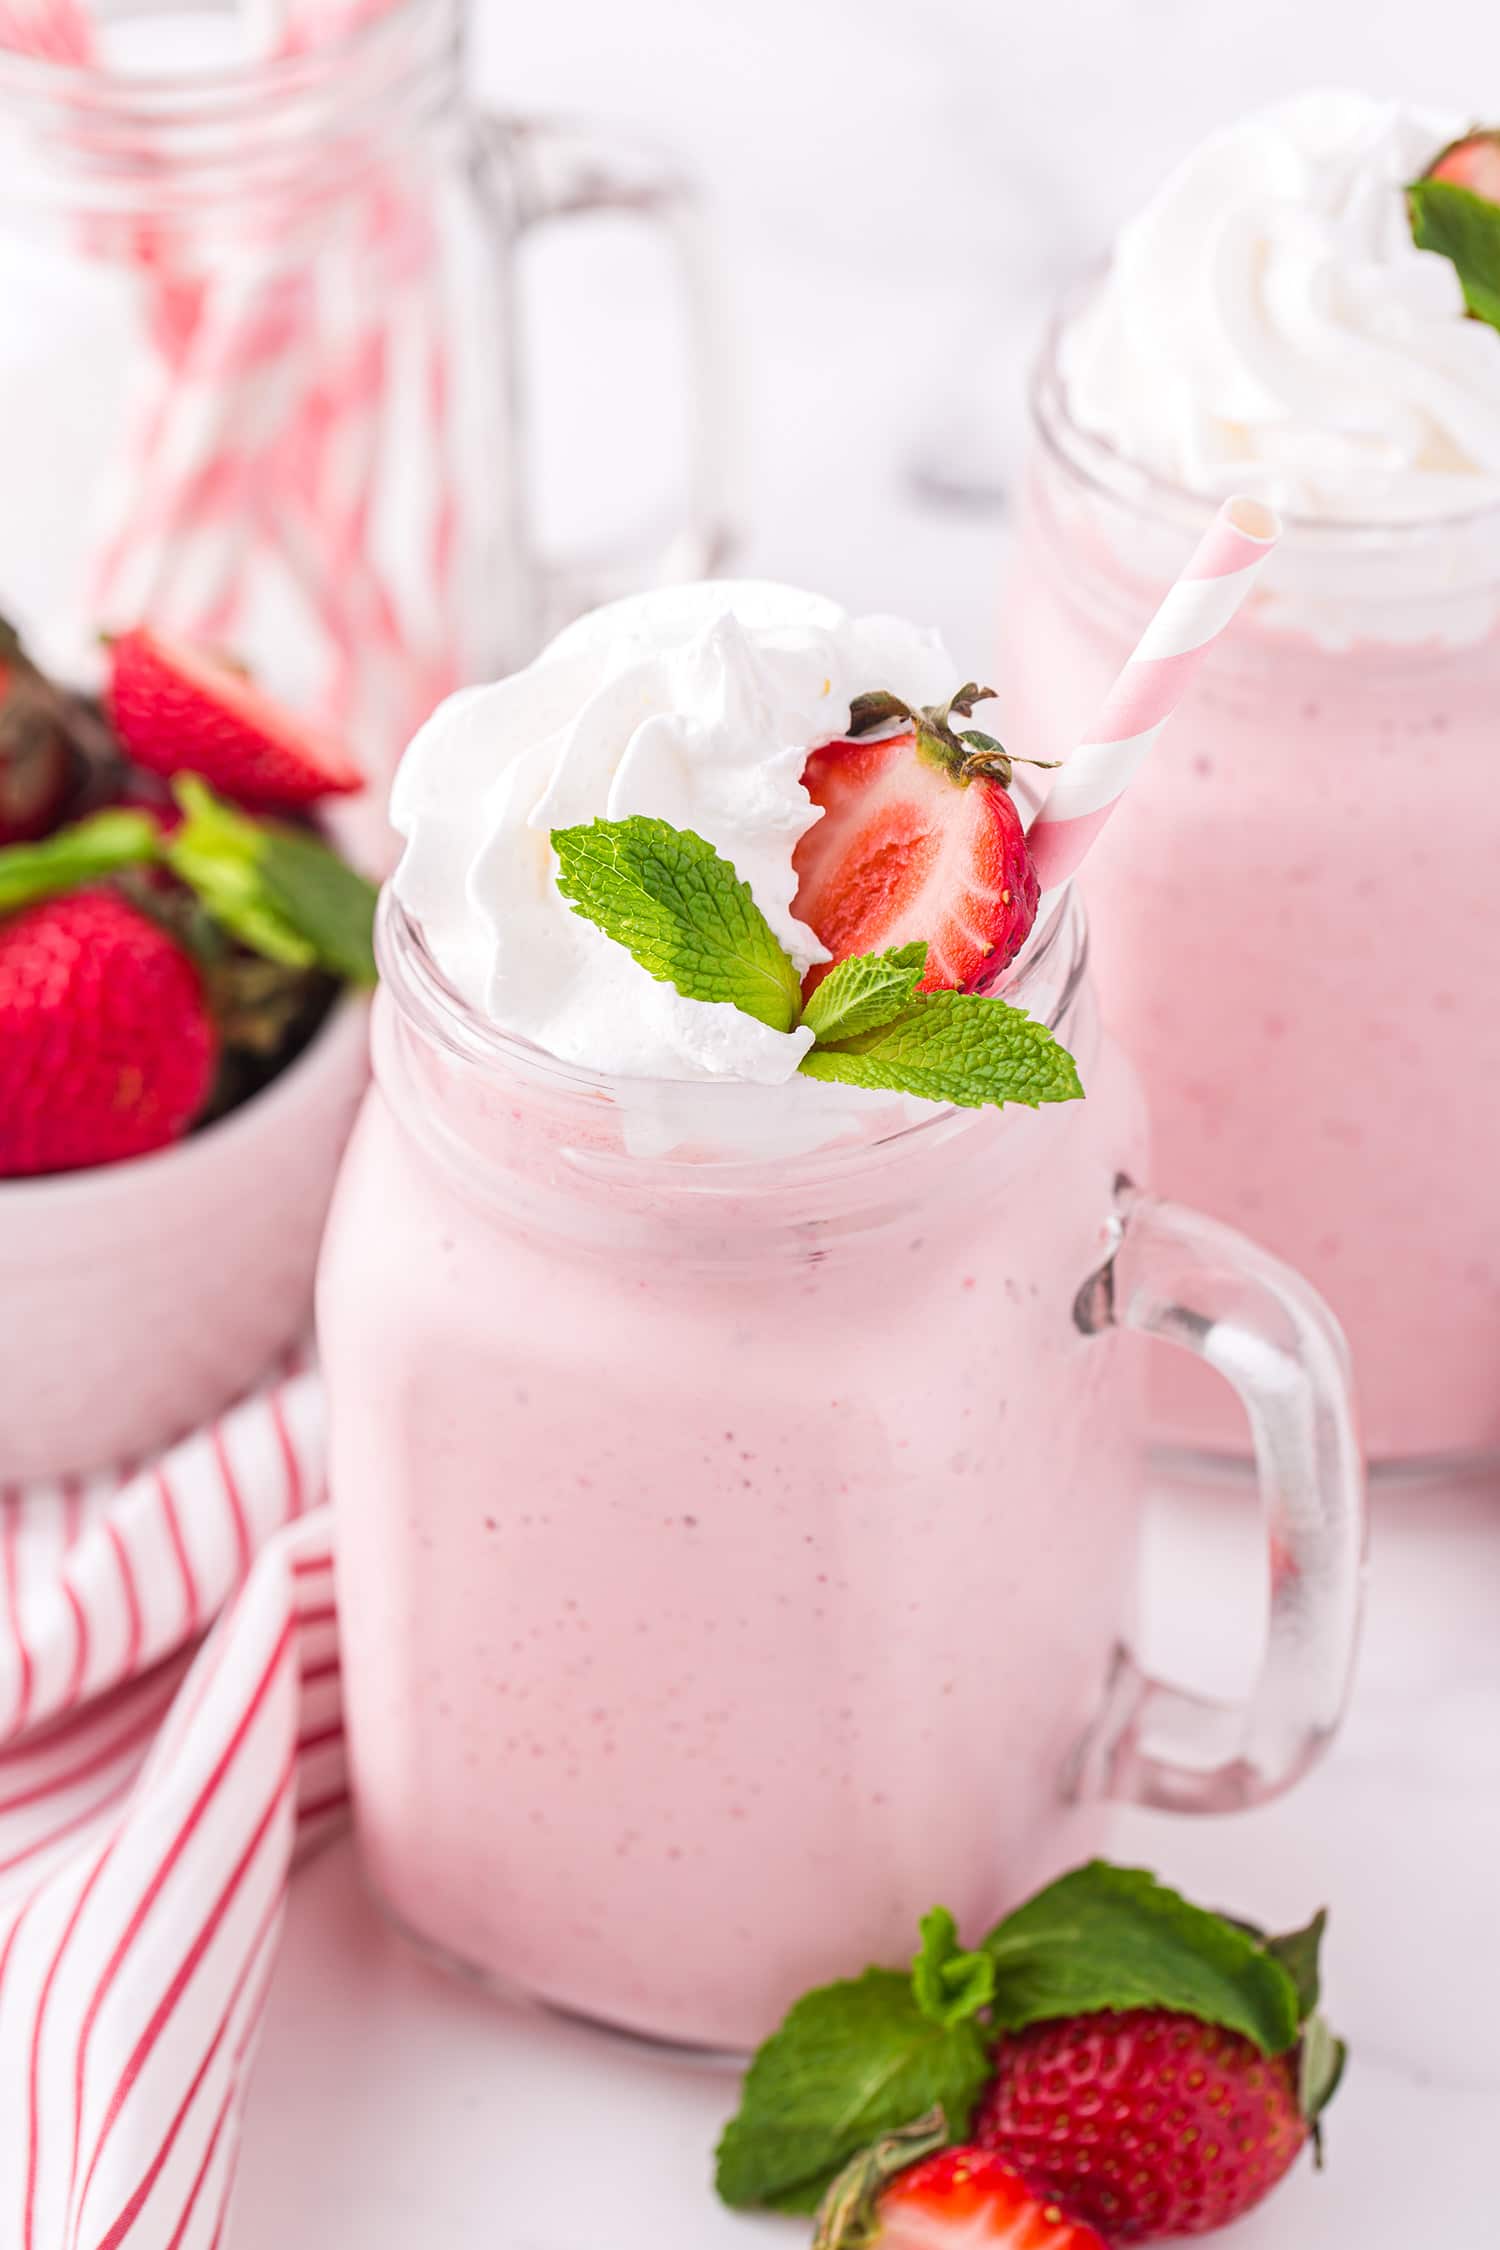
x=1294, y=906
x=737, y=1505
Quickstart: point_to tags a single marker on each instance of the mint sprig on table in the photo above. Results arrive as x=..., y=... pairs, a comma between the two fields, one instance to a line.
x=686, y=916
x=276, y=889
x=864, y=2060
x=1460, y=224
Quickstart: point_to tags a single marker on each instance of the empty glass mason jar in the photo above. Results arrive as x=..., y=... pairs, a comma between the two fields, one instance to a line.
x=258, y=373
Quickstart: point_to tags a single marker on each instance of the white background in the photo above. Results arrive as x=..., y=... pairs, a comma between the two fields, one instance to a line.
x=902, y=184
x=902, y=187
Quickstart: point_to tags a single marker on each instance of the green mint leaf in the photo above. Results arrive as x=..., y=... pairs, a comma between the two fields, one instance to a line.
x=1464, y=228
x=955, y=1047
x=85, y=853
x=323, y=898
x=1298, y=1954
x=847, y=2214
x=851, y=2063
x=1114, y=1937
x=216, y=853
x=280, y=891
x=682, y=911
x=866, y=990
x=947, y=1983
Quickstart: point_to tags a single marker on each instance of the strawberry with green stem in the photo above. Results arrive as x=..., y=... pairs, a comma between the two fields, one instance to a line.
x=920, y=840
x=139, y=965
x=1142, y=2066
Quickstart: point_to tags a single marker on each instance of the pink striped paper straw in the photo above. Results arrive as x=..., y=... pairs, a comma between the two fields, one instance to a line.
x=1196, y=610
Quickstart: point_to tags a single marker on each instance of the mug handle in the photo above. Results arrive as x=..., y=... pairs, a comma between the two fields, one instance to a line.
x=554, y=169
x=1208, y=1290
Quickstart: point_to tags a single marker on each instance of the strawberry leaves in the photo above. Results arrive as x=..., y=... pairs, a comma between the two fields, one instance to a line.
x=684, y=914
x=85, y=853
x=1298, y=1952
x=847, y=2214
x=856, y=2063
x=967, y=755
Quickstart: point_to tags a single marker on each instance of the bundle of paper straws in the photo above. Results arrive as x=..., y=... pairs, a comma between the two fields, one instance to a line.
x=264, y=417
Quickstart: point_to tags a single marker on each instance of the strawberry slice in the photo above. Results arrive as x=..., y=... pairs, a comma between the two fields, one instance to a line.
x=178, y=709
x=970, y=2199
x=1473, y=162
x=920, y=838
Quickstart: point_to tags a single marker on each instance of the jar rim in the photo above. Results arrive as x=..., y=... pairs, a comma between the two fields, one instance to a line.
x=264, y=142
x=261, y=78
x=1116, y=476
x=424, y=997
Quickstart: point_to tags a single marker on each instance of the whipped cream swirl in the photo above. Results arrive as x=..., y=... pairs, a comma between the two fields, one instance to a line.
x=1269, y=325
x=697, y=704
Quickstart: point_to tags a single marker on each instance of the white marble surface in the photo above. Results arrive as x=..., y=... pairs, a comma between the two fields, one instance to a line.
x=901, y=185
x=393, y=2107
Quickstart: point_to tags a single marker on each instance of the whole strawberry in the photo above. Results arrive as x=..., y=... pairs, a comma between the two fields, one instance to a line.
x=1146, y=2123
x=107, y=1048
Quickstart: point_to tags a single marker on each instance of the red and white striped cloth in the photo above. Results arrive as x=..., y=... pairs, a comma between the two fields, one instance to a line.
x=170, y=1738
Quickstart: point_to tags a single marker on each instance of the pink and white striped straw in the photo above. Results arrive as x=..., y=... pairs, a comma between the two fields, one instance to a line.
x=1196, y=610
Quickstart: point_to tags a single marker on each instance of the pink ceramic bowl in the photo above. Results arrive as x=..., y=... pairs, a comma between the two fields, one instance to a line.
x=141, y=1298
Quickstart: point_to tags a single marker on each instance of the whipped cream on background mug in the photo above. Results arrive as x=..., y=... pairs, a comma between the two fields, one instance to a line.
x=707, y=1498
x=1294, y=910
x=1268, y=323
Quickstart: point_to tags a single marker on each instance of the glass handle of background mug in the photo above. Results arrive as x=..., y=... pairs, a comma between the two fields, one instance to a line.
x=1206, y=1289
x=550, y=170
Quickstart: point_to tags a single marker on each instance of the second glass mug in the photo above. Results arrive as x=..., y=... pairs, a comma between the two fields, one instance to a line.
x=262, y=379
x=738, y=1555
x=1294, y=908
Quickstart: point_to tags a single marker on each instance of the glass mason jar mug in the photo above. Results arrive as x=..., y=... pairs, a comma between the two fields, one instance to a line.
x=259, y=378
x=702, y=1517
x=1294, y=908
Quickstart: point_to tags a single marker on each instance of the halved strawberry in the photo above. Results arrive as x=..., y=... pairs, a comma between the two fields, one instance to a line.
x=972, y=2200
x=178, y=709
x=920, y=838
x=1473, y=162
